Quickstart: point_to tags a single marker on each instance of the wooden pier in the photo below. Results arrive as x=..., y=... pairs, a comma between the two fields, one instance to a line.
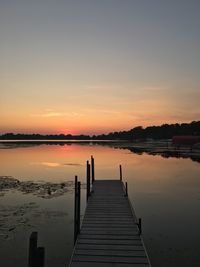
x=110, y=233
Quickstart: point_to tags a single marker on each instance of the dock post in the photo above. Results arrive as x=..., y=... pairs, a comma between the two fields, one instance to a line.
x=140, y=226
x=75, y=208
x=92, y=168
x=79, y=208
x=36, y=255
x=88, y=180
x=32, y=250
x=120, y=171
x=40, y=256
x=126, y=194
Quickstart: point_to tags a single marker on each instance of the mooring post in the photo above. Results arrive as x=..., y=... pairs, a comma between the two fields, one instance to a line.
x=140, y=225
x=120, y=171
x=40, y=256
x=126, y=187
x=79, y=208
x=92, y=168
x=75, y=208
x=88, y=180
x=32, y=259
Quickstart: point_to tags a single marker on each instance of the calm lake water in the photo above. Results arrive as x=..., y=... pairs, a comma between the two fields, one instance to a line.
x=165, y=193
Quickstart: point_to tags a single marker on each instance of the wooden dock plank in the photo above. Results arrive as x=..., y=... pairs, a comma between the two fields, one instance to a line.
x=106, y=264
x=110, y=247
x=104, y=252
x=109, y=258
x=109, y=234
x=109, y=237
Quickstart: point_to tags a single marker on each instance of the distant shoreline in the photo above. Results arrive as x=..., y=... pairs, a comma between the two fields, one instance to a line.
x=162, y=132
x=62, y=141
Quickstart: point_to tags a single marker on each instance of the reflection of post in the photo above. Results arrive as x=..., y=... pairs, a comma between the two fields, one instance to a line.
x=33, y=249
x=92, y=168
x=120, y=171
x=88, y=180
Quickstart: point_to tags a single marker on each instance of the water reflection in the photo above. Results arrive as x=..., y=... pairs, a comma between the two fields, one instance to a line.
x=164, y=191
x=161, y=147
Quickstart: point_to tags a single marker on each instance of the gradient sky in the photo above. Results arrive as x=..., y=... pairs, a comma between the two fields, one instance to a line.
x=93, y=66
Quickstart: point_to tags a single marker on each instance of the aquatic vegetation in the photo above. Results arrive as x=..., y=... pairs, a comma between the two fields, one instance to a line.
x=41, y=189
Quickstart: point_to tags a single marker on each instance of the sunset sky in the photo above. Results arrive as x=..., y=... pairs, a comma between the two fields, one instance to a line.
x=95, y=66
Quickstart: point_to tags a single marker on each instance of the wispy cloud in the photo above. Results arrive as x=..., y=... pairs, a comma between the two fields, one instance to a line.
x=52, y=114
x=48, y=114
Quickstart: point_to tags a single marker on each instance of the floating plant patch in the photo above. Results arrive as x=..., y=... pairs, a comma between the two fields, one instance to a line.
x=40, y=189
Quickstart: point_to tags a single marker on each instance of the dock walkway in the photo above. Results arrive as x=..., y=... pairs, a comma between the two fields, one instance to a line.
x=109, y=234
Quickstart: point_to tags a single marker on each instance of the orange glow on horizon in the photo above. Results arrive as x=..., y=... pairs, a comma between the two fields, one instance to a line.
x=88, y=127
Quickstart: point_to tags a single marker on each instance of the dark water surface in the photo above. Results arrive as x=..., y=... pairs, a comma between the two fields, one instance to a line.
x=165, y=193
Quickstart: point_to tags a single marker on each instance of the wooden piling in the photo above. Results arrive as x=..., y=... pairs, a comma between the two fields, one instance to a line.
x=88, y=180
x=92, y=169
x=78, y=207
x=140, y=225
x=120, y=171
x=33, y=250
x=40, y=256
x=36, y=256
x=126, y=188
x=75, y=207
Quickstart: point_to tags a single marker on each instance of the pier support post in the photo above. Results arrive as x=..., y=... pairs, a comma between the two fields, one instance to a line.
x=32, y=259
x=120, y=172
x=77, y=208
x=140, y=226
x=126, y=188
x=36, y=257
x=40, y=256
x=92, y=169
x=88, y=180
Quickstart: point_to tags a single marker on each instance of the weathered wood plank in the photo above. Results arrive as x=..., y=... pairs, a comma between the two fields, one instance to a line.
x=108, y=237
x=110, y=247
x=108, y=232
x=107, y=264
x=108, y=258
x=122, y=253
x=89, y=219
x=108, y=223
x=107, y=242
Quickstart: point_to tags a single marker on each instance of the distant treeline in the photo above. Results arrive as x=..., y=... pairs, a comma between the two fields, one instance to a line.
x=165, y=131
x=12, y=136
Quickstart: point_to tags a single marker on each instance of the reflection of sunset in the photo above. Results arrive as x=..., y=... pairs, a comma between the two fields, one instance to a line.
x=63, y=162
x=50, y=164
